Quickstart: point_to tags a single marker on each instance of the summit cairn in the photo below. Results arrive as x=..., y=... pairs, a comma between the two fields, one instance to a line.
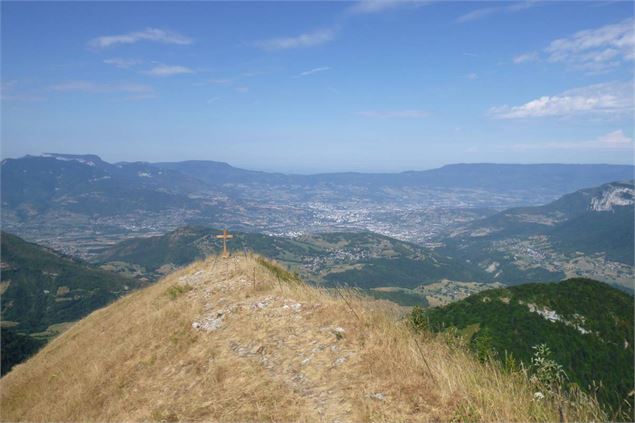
x=225, y=236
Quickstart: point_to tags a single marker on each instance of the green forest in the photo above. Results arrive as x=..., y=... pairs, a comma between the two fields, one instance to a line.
x=590, y=331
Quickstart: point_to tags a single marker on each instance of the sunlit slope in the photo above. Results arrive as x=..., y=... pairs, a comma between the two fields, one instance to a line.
x=243, y=340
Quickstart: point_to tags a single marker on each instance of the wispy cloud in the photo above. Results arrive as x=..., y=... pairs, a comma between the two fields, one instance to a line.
x=243, y=89
x=390, y=114
x=608, y=99
x=7, y=85
x=224, y=81
x=168, y=70
x=472, y=76
x=148, y=34
x=98, y=88
x=526, y=57
x=485, y=12
x=214, y=81
x=8, y=92
x=313, y=71
x=615, y=140
x=308, y=39
x=213, y=100
x=120, y=63
x=376, y=6
x=477, y=14
x=596, y=50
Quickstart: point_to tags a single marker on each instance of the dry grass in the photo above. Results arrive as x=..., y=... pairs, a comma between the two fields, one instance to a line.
x=279, y=355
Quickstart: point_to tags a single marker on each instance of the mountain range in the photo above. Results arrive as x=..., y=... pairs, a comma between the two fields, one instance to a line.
x=79, y=203
x=86, y=184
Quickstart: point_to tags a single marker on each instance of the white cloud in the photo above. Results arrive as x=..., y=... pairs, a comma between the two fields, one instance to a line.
x=596, y=50
x=608, y=99
x=309, y=39
x=526, y=58
x=168, y=70
x=314, y=70
x=122, y=63
x=148, y=34
x=477, y=14
x=615, y=140
x=472, y=76
x=95, y=87
x=242, y=89
x=389, y=114
x=213, y=100
x=485, y=12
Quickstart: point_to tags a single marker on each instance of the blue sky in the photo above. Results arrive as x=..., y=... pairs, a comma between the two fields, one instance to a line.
x=320, y=86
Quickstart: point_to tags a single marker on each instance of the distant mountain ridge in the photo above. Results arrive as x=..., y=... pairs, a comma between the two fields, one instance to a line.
x=79, y=203
x=183, y=175
x=87, y=185
x=556, y=177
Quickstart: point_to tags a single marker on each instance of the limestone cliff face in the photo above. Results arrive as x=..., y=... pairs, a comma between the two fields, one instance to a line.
x=243, y=340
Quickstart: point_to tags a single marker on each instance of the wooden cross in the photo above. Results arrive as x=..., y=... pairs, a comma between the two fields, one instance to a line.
x=225, y=236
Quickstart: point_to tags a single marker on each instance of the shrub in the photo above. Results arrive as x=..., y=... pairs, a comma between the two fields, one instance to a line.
x=418, y=318
x=545, y=371
x=176, y=291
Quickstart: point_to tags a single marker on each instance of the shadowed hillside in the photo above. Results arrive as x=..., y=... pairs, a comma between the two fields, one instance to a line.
x=43, y=291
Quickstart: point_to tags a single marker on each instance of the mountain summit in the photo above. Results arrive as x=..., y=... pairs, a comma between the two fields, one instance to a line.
x=244, y=340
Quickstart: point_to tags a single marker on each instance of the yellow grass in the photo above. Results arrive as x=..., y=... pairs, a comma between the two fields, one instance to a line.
x=284, y=351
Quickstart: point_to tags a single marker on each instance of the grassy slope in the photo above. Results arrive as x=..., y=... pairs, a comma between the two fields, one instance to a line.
x=140, y=359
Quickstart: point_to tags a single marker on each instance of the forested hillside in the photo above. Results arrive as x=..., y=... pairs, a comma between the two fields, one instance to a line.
x=587, y=325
